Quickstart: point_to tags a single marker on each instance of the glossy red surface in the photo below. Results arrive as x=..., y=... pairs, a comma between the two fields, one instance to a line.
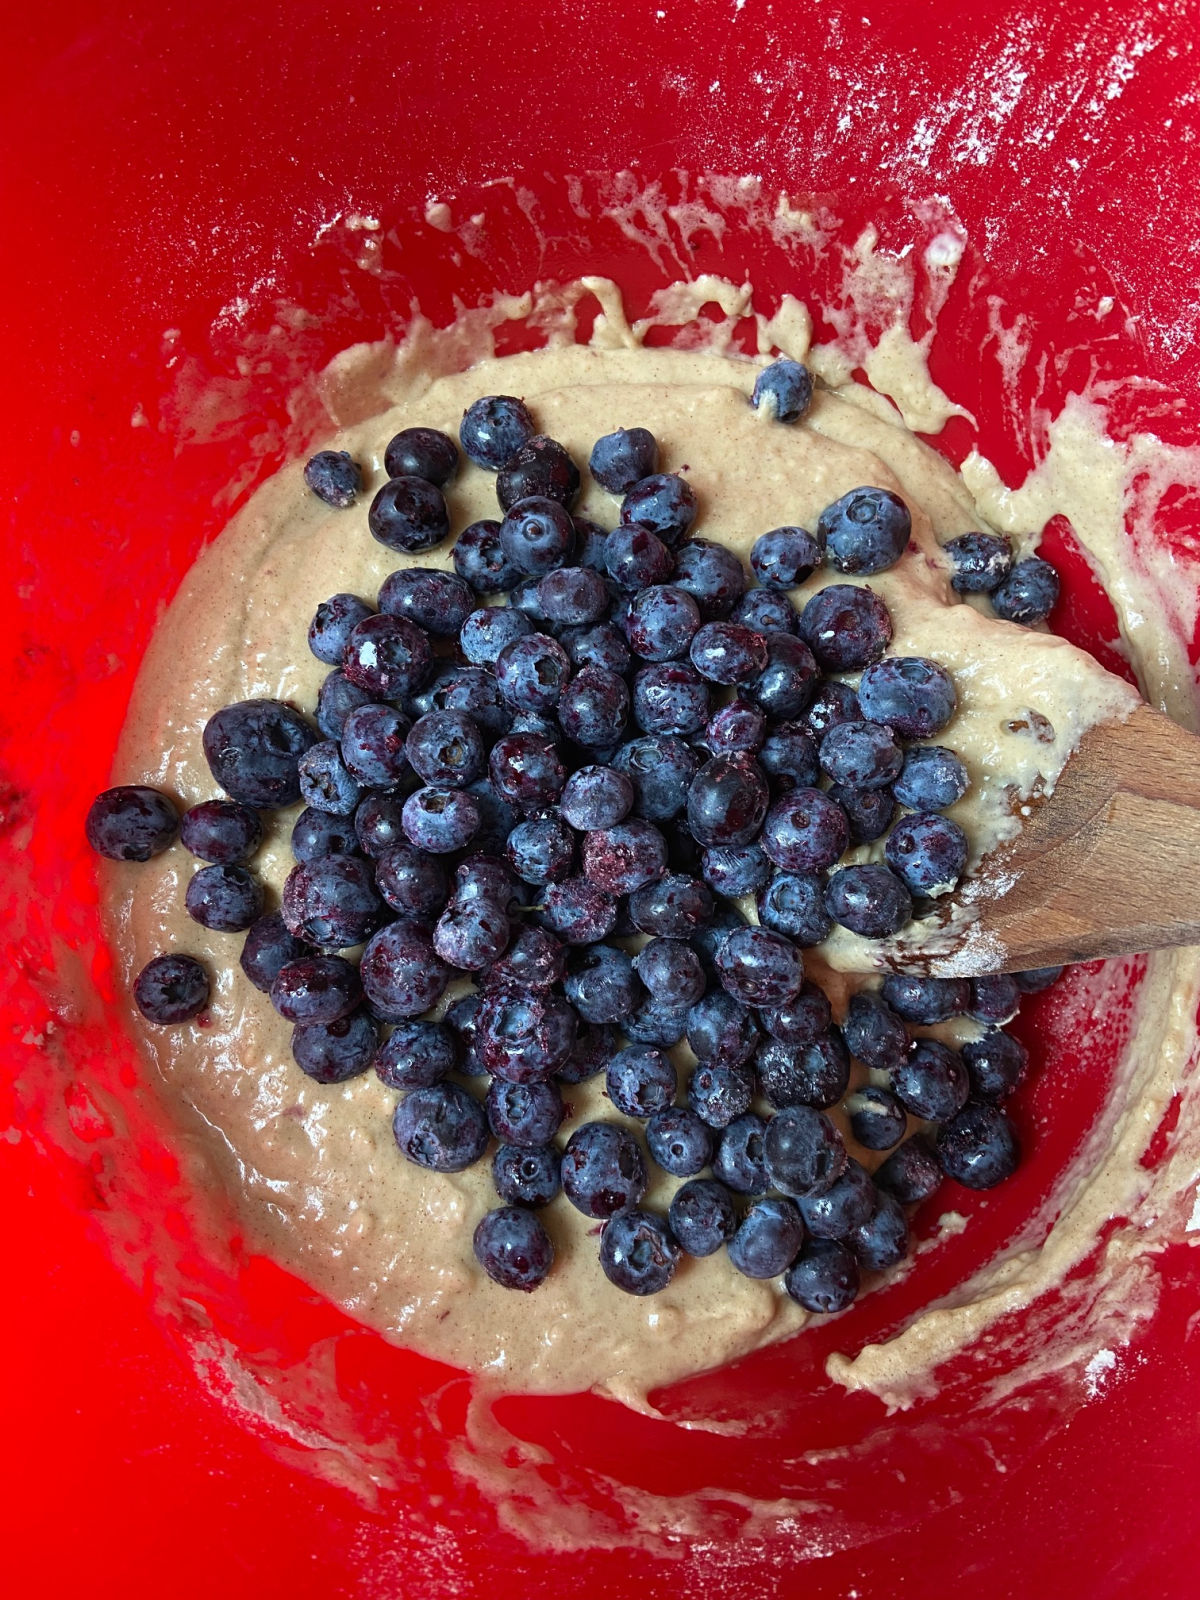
x=165, y=169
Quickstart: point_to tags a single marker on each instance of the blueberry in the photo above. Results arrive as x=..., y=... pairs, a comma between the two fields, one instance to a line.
x=803, y=1021
x=661, y=768
x=736, y=870
x=621, y=459
x=870, y=812
x=534, y=960
x=738, y=728
x=995, y=999
x=221, y=831
x=932, y=1082
x=679, y=1141
x=603, y=1169
x=708, y=937
x=409, y=515
x=333, y=1052
x=786, y=683
x=401, y=972
x=721, y=1032
x=660, y=622
x=995, y=1064
x=789, y=757
x=846, y=627
x=573, y=596
x=623, y=859
x=590, y=542
x=590, y=1054
x=768, y=1238
x=316, y=989
x=911, y=1173
x=793, y=903
x=526, y=1177
x=487, y=877
x=1037, y=979
x=333, y=476
x=759, y=967
x=719, y=1093
x=638, y=1252
x=664, y=504
x=981, y=562
x=813, y=1074
x=513, y=1248
x=803, y=1151
x=224, y=898
x=416, y=1055
x=171, y=989
x=843, y=1208
x=537, y=536
x=421, y=453
x=674, y=907
x=525, y=770
x=387, y=656
x=866, y=531
x=702, y=1216
x=599, y=645
x=468, y=688
x=881, y=1241
x=594, y=708
x=580, y=912
x=785, y=557
x=863, y=755
x=870, y=900
x=670, y=697
x=526, y=597
x=253, y=751
x=479, y=558
x=834, y=702
x=541, y=851
x=783, y=390
x=488, y=631
x=538, y=469
x=1029, y=593
x=924, y=1000
x=440, y=820
x=472, y=934
x=373, y=745
x=738, y=1162
x=877, y=1119
x=671, y=971
x=727, y=801
x=268, y=946
x=442, y=1128
x=766, y=611
x=336, y=699
x=712, y=575
x=805, y=831
x=411, y=881
x=525, y=1114
x=914, y=697
x=446, y=748
x=493, y=429
x=641, y=1081
x=440, y=602
x=532, y=672
x=524, y=1037
x=728, y=653
x=933, y=778
x=636, y=558
x=331, y=626
x=874, y=1033
x=601, y=985
x=928, y=851
x=596, y=797
x=332, y=902
x=824, y=1277
x=325, y=782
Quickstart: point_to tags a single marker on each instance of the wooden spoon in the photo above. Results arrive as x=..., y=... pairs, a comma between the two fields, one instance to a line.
x=1109, y=865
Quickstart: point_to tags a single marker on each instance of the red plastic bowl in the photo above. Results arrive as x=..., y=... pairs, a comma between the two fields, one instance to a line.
x=172, y=184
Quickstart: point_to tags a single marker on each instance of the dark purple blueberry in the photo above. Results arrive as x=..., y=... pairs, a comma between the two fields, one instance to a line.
x=641, y=1081
x=933, y=778
x=537, y=536
x=707, y=939
x=416, y=1055
x=524, y=1037
x=868, y=811
x=793, y=903
x=703, y=1216
x=866, y=531
x=590, y=1054
x=824, y=1277
x=526, y=1177
x=402, y=973
x=513, y=1248
x=679, y=1141
x=409, y=515
x=729, y=653
x=534, y=960
x=881, y=1241
x=625, y=858
x=471, y=934
x=599, y=645
x=221, y=831
x=660, y=622
x=336, y=699
x=736, y=869
x=932, y=1081
x=333, y=476
x=373, y=745
x=316, y=989
x=785, y=557
x=913, y=696
x=1037, y=979
x=603, y=1169
x=671, y=971
x=803, y=1021
x=727, y=801
x=759, y=967
x=783, y=391
x=224, y=898
x=171, y=989
x=789, y=758
x=387, y=656
x=995, y=999
x=268, y=946
x=525, y=1114
x=253, y=751
x=538, y=469
x=664, y=504
x=661, y=768
x=440, y=602
x=814, y=1074
x=712, y=575
x=590, y=540
x=721, y=1032
x=446, y=748
x=621, y=459
x=532, y=672
x=877, y=1119
x=785, y=685
x=928, y=851
x=925, y=1000
x=601, y=985
x=674, y=907
x=805, y=831
x=636, y=558
x=861, y=755
x=911, y=1173
x=525, y=770
x=719, y=1093
x=441, y=1127
x=981, y=562
x=846, y=627
x=1029, y=593
x=768, y=1238
x=440, y=820
x=638, y=1252
x=542, y=850
x=596, y=797
x=833, y=703
x=525, y=596
x=803, y=1151
x=471, y=689
x=874, y=1033
x=843, y=1208
x=333, y=622
x=870, y=900
x=411, y=881
x=573, y=596
x=738, y=728
x=421, y=453
x=332, y=1052
x=738, y=1162
x=766, y=611
x=995, y=1064
x=594, y=708
x=487, y=877
x=331, y=902
x=494, y=428
x=479, y=558
x=487, y=631
x=325, y=782
x=580, y=912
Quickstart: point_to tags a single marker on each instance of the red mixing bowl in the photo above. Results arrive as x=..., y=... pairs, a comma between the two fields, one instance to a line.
x=196, y=206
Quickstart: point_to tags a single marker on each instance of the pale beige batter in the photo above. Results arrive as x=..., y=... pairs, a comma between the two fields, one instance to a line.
x=313, y=1170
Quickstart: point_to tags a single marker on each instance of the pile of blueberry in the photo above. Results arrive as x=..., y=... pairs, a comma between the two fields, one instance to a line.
x=527, y=793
